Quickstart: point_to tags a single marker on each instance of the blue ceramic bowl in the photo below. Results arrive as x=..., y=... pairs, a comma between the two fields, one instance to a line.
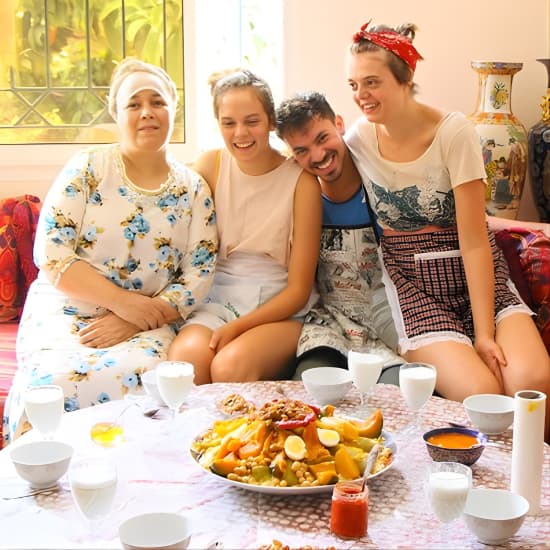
x=467, y=455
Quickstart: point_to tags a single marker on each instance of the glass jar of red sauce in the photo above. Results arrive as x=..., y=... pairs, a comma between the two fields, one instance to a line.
x=349, y=510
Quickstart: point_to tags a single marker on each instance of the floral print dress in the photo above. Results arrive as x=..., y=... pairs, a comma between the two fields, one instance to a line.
x=159, y=243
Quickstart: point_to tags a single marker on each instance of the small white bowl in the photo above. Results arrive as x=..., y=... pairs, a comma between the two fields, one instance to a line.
x=149, y=381
x=155, y=531
x=327, y=384
x=490, y=413
x=494, y=515
x=41, y=463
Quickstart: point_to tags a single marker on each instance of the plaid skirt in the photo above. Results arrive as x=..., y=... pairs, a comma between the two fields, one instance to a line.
x=428, y=292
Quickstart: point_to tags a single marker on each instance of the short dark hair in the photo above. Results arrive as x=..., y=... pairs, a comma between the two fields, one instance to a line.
x=295, y=112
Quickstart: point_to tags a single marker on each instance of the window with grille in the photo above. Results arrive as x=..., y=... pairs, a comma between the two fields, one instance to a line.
x=54, y=84
x=58, y=56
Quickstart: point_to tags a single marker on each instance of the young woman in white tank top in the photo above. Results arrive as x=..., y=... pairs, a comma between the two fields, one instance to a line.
x=269, y=222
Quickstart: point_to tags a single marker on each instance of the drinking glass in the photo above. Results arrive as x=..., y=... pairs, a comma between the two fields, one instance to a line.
x=364, y=367
x=448, y=487
x=93, y=487
x=44, y=408
x=175, y=382
x=417, y=383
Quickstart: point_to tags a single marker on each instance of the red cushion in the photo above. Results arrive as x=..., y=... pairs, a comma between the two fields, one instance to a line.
x=10, y=300
x=25, y=219
x=528, y=255
x=18, y=219
x=509, y=240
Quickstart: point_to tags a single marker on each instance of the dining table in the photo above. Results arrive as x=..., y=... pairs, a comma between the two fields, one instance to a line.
x=157, y=472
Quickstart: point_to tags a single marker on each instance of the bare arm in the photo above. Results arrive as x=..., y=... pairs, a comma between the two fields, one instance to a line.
x=497, y=224
x=478, y=265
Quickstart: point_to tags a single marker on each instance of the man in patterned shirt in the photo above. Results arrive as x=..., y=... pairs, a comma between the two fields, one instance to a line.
x=353, y=310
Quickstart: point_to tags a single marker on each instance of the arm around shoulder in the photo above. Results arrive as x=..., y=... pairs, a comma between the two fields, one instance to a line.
x=307, y=229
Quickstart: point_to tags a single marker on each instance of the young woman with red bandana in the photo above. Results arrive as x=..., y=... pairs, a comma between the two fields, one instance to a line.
x=453, y=303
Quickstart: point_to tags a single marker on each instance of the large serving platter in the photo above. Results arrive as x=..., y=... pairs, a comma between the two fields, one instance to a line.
x=389, y=442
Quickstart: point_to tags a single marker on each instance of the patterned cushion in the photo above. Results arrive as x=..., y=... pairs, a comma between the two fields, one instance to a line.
x=10, y=301
x=18, y=218
x=8, y=363
x=528, y=255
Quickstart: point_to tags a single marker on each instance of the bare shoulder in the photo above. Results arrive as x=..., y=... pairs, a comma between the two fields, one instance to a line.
x=307, y=197
x=308, y=183
x=207, y=166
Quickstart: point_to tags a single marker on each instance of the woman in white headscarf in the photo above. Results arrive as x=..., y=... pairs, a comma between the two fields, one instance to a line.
x=126, y=245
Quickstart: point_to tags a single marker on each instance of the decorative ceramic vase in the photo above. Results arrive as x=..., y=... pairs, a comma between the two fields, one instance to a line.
x=503, y=137
x=539, y=154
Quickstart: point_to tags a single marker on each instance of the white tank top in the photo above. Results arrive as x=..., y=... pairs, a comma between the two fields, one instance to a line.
x=255, y=213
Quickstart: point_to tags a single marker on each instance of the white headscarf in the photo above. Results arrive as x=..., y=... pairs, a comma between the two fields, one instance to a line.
x=139, y=81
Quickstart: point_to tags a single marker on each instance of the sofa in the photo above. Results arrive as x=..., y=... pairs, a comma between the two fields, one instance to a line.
x=525, y=245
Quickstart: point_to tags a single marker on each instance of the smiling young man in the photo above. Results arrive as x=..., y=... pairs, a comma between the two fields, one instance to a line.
x=353, y=309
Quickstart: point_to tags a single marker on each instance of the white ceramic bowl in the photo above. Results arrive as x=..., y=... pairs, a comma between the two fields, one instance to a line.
x=149, y=381
x=490, y=413
x=155, y=531
x=494, y=515
x=327, y=384
x=41, y=463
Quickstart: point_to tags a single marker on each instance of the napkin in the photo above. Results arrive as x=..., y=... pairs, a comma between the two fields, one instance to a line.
x=528, y=446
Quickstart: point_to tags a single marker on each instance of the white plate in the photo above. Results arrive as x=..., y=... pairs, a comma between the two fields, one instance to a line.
x=267, y=489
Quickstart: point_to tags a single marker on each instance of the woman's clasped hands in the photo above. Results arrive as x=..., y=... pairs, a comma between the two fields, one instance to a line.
x=133, y=314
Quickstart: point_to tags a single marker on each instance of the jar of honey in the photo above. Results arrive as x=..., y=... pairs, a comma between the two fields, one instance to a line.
x=349, y=510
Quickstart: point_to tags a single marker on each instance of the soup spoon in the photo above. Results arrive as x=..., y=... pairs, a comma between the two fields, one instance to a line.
x=369, y=463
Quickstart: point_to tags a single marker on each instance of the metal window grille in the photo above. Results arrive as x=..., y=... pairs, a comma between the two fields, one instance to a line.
x=57, y=60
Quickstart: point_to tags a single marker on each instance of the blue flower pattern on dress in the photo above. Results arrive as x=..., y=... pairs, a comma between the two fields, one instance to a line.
x=71, y=404
x=103, y=398
x=141, y=242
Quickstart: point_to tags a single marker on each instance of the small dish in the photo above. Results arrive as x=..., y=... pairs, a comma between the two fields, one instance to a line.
x=155, y=531
x=455, y=445
x=494, y=515
x=41, y=463
x=327, y=385
x=490, y=412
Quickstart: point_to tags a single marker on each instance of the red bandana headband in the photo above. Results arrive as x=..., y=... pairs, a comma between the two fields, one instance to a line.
x=390, y=40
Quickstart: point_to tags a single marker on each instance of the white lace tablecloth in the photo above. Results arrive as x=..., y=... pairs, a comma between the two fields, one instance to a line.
x=157, y=473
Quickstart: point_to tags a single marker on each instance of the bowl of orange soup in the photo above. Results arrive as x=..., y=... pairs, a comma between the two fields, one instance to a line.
x=455, y=445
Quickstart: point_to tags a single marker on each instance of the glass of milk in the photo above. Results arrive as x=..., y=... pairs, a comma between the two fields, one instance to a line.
x=44, y=408
x=448, y=487
x=365, y=367
x=417, y=383
x=175, y=382
x=93, y=487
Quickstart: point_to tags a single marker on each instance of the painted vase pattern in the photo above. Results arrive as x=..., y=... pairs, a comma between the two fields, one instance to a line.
x=539, y=154
x=503, y=137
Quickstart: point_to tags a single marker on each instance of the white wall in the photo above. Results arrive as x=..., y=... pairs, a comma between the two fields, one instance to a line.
x=450, y=35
